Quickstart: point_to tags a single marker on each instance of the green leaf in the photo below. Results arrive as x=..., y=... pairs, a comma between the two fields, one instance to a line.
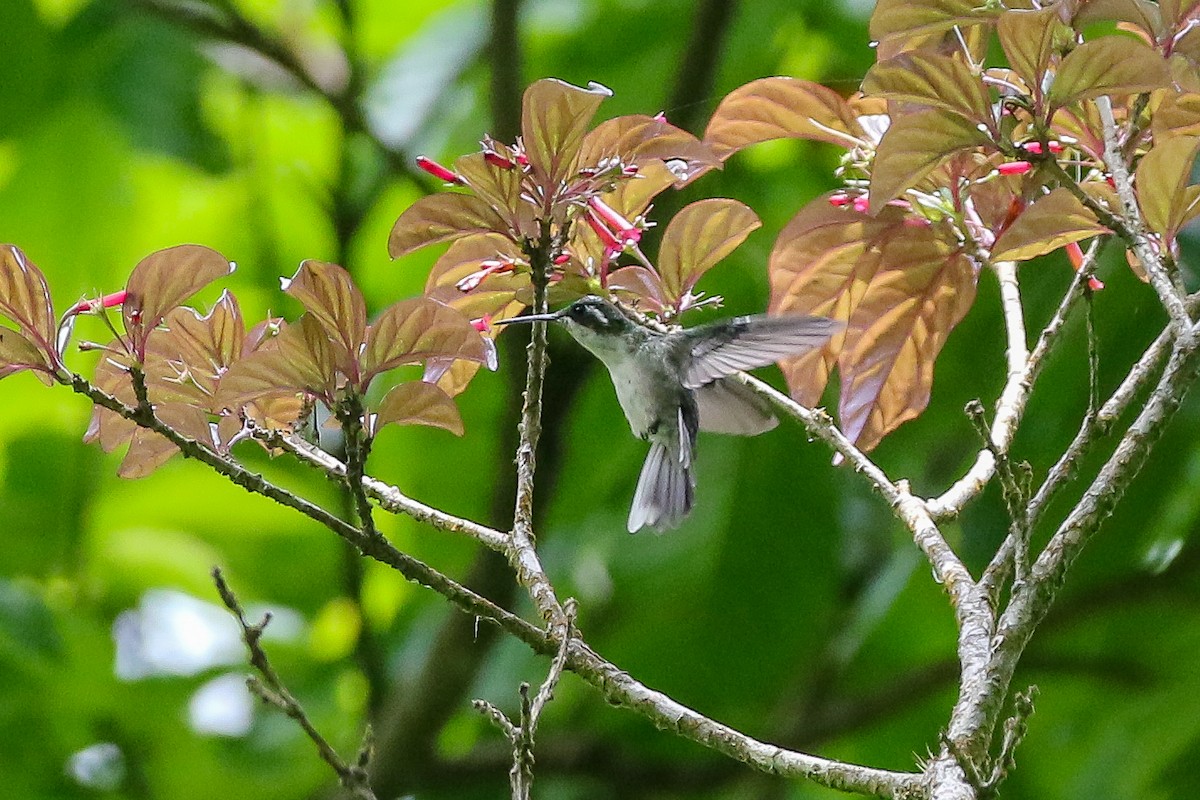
x=554, y=118
x=418, y=329
x=1178, y=114
x=1051, y=222
x=25, y=297
x=441, y=218
x=780, y=108
x=419, y=403
x=1162, y=184
x=1113, y=65
x=699, y=236
x=1029, y=39
x=931, y=79
x=914, y=145
x=328, y=293
x=163, y=280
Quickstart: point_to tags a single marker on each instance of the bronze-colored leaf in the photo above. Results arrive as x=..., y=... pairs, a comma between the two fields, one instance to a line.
x=640, y=286
x=932, y=79
x=914, y=145
x=163, y=280
x=908, y=18
x=147, y=452
x=417, y=329
x=1051, y=222
x=1142, y=15
x=441, y=218
x=1112, y=65
x=922, y=289
x=821, y=264
x=419, y=403
x=1176, y=115
x=25, y=297
x=780, y=108
x=18, y=353
x=297, y=361
x=699, y=236
x=1029, y=39
x=554, y=117
x=328, y=293
x=467, y=255
x=632, y=197
x=187, y=355
x=498, y=187
x=637, y=138
x=1162, y=184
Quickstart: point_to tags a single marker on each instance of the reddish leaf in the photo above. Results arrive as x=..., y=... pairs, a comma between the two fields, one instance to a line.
x=441, y=218
x=418, y=329
x=820, y=265
x=1142, y=15
x=1052, y=222
x=328, y=293
x=419, y=403
x=18, y=353
x=1177, y=115
x=499, y=188
x=1029, y=39
x=932, y=79
x=780, y=108
x=631, y=198
x=914, y=145
x=698, y=237
x=25, y=297
x=1112, y=65
x=1162, y=184
x=554, y=117
x=922, y=289
x=298, y=360
x=163, y=280
x=637, y=138
x=187, y=356
x=909, y=18
x=641, y=286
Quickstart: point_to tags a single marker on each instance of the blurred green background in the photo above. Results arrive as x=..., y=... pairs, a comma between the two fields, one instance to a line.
x=790, y=605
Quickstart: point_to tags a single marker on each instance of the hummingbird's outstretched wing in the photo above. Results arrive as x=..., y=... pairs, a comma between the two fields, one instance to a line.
x=723, y=348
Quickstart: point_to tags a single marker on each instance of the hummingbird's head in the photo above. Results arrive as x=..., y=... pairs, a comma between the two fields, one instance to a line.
x=594, y=314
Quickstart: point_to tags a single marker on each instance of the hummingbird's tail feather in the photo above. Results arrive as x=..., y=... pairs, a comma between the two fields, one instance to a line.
x=665, y=492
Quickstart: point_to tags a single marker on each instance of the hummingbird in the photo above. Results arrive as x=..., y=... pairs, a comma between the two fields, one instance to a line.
x=673, y=384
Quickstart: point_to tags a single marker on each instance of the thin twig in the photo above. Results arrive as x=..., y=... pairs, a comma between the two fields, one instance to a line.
x=390, y=498
x=1156, y=262
x=270, y=688
x=376, y=547
x=522, y=553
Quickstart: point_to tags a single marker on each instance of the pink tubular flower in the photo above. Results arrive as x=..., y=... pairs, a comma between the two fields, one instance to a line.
x=483, y=324
x=862, y=203
x=438, y=171
x=489, y=267
x=1075, y=255
x=561, y=258
x=497, y=160
x=107, y=301
x=1014, y=168
x=625, y=230
x=1036, y=147
x=840, y=199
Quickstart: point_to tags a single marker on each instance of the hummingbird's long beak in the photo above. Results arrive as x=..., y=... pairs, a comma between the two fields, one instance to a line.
x=551, y=317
